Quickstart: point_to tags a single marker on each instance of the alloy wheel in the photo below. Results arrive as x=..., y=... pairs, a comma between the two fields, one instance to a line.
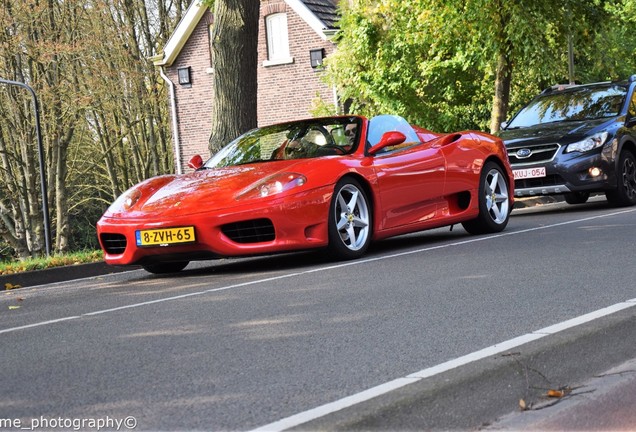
x=629, y=178
x=496, y=192
x=352, y=217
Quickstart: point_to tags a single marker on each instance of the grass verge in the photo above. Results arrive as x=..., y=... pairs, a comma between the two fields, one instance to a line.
x=52, y=261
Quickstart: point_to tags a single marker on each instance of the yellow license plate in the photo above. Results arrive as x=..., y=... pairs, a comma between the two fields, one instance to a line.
x=165, y=236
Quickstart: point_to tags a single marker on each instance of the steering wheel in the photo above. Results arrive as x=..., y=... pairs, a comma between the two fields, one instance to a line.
x=330, y=142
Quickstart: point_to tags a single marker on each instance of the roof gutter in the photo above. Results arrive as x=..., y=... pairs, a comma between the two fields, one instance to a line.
x=175, y=123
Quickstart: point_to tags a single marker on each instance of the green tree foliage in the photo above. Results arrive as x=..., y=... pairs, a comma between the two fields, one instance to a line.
x=462, y=64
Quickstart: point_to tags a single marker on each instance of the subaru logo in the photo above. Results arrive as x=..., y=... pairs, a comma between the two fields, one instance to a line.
x=523, y=153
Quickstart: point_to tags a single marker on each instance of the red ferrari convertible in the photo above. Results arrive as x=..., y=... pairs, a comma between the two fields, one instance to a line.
x=336, y=183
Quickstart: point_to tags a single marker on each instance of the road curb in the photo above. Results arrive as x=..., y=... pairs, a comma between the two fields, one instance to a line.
x=447, y=401
x=59, y=274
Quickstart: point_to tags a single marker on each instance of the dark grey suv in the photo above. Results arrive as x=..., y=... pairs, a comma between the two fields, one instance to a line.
x=576, y=139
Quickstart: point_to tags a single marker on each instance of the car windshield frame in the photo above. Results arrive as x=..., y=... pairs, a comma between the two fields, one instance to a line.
x=325, y=136
x=579, y=103
x=381, y=124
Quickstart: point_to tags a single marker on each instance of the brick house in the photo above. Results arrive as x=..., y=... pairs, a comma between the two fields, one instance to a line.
x=293, y=37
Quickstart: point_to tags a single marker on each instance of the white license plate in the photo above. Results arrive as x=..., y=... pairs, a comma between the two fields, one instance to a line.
x=529, y=173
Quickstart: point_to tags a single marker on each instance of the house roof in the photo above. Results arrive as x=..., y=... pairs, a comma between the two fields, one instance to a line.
x=320, y=15
x=181, y=34
x=325, y=10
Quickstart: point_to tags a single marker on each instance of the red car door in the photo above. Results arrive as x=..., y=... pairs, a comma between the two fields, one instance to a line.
x=411, y=184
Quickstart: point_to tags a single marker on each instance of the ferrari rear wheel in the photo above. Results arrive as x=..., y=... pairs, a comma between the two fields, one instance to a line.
x=166, y=267
x=349, y=220
x=494, y=202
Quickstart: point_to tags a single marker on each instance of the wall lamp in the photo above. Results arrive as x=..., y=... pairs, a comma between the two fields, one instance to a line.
x=316, y=57
x=185, y=78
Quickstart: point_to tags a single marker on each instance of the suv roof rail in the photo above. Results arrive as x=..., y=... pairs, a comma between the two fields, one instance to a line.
x=558, y=87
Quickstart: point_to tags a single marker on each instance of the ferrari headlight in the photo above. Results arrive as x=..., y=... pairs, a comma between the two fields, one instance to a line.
x=126, y=201
x=131, y=199
x=588, y=144
x=273, y=185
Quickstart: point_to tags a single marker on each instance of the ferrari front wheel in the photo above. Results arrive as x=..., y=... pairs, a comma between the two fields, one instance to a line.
x=165, y=267
x=494, y=202
x=349, y=220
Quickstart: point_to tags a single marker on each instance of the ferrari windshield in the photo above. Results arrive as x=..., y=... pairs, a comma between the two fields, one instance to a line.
x=294, y=140
x=378, y=125
x=575, y=104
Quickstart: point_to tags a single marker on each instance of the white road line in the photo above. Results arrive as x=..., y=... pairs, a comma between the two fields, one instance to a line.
x=329, y=408
x=321, y=269
x=387, y=387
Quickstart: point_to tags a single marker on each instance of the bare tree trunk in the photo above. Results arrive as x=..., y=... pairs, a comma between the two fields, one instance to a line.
x=503, y=77
x=234, y=59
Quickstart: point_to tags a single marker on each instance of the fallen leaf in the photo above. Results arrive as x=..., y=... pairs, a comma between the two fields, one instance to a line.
x=522, y=405
x=10, y=286
x=560, y=392
x=14, y=307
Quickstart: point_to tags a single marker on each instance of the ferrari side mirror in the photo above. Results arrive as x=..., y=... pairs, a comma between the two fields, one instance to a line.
x=196, y=162
x=388, y=139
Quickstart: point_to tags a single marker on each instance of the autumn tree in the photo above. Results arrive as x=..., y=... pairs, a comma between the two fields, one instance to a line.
x=103, y=109
x=234, y=39
x=38, y=46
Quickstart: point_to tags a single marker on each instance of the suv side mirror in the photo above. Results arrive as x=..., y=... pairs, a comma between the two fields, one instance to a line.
x=630, y=121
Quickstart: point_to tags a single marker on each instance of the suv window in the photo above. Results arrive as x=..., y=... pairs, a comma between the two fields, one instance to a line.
x=631, y=112
x=573, y=104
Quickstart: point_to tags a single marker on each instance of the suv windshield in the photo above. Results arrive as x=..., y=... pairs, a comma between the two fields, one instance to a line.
x=573, y=104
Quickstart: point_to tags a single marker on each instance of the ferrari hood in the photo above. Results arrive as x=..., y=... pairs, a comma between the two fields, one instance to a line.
x=200, y=191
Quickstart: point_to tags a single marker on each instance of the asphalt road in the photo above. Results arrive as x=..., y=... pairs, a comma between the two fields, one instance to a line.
x=439, y=330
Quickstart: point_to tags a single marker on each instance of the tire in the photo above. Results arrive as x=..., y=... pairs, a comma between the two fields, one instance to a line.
x=494, y=202
x=576, y=197
x=166, y=267
x=350, y=221
x=625, y=192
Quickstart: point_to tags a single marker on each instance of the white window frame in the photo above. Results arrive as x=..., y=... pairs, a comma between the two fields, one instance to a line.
x=277, y=40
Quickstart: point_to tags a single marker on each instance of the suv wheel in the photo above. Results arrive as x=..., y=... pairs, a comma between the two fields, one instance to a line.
x=625, y=192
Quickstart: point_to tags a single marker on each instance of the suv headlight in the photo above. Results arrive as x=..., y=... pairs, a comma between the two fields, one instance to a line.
x=588, y=143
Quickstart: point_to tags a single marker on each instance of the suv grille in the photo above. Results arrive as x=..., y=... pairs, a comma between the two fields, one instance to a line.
x=252, y=231
x=114, y=244
x=538, y=154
